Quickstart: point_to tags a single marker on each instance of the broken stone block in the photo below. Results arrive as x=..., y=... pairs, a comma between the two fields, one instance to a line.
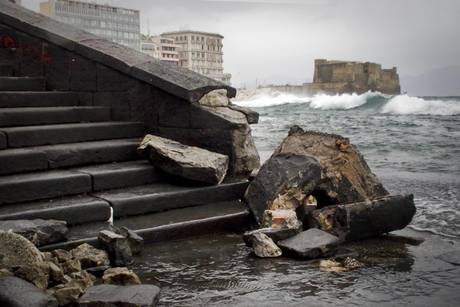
x=15, y=292
x=120, y=276
x=281, y=219
x=263, y=246
x=38, y=274
x=274, y=234
x=39, y=232
x=283, y=182
x=345, y=175
x=188, y=162
x=117, y=247
x=216, y=98
x=366, y=219
x=126, y=296
x=310, y=244
x=136, y=242
x=61, y=255
x=90, y=256
x=56, y=274
x=66, y=294
x=251, y=115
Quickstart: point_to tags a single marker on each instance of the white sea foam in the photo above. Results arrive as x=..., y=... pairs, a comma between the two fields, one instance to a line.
x=404, y=104
x=342, y=102
x=267, y=99
x=398, y=105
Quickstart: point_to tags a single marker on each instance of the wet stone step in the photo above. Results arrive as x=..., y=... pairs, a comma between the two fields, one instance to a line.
x=33, y=186
x=2, y=140
x=38, y=99
x=70, y=133
x=10, y=117
x=22, y=84
x=67, y=155
x=161, y=197
x=74, y=210
x=119, y=175
x=229, y=216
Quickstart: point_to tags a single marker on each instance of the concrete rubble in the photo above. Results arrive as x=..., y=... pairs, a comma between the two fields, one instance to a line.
x=316, y=192
x=187, y=162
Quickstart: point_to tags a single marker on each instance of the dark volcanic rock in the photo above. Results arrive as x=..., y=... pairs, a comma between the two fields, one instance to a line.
x=310, y=244
x=15, y=292
x=187, y=162
x=40, y=232
x=117, y=247
x=283, y=182
x=126, y=296
x=345, y=175
x=366, y=219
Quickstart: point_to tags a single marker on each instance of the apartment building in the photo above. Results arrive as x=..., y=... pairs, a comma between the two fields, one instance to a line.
x=162, y=48
x=201, y=52
x=120, y=25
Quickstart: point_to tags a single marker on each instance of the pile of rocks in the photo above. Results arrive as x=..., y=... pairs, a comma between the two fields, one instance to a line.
x=82, y=276
x=315, y=192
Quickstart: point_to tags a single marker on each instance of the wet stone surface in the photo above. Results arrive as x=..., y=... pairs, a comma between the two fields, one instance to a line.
x=219, y=270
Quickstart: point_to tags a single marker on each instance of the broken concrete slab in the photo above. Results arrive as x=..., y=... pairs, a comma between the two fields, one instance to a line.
x=39, y=232
x=310, y=244
x=366, y=219
x=274, y=234
x=345, y=175
x=187, y=162
x=283, y=182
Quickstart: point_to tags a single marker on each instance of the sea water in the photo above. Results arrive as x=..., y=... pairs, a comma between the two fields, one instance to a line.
x=411, y=143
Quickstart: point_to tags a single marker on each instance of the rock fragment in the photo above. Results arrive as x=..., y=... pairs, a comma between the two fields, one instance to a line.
x=188, y=162
x=117, y=246
x=90, y=256
x=281, y=219
x=263, y=246
x=273, y=233
x=120, y=276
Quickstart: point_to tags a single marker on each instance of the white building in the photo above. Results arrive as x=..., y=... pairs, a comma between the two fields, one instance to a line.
x=201, y=52
x=117, y=24
x=162, y=48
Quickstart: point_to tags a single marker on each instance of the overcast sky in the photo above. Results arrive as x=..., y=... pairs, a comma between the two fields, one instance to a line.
x=276, y=41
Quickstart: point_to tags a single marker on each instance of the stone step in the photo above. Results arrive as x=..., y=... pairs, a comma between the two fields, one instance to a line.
x=38, y=99
x=6, y=70
x=120, y=175
x=160, y=197
x=70, y=133
x=10, y=117
x=22, y=84
x=41, y=185
x=67, y=155
x=75, y=210
x=228, y=216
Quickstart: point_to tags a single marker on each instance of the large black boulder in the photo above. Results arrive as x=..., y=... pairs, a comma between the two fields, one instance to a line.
x=283, y=178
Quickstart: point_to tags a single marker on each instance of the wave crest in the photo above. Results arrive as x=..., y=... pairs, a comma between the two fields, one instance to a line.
x=380, y=103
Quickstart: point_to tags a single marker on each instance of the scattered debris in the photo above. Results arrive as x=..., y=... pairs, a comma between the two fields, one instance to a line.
x=90, y=256
x=263, y=246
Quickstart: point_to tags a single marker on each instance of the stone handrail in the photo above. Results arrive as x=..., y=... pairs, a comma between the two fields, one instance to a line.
x=177, y=81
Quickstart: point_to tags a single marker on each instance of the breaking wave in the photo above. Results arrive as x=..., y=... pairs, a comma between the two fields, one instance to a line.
x=380, y=103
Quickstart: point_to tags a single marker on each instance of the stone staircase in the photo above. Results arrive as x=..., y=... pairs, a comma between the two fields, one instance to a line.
x=60, y=159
